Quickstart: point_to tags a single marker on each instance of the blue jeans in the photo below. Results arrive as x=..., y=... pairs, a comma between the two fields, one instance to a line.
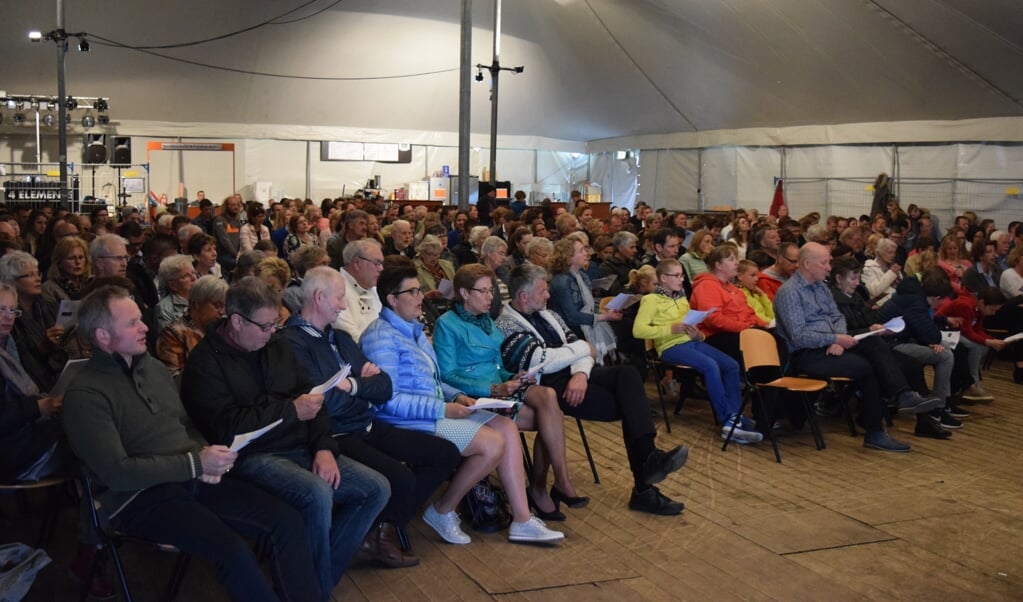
x=720, y=374
x=333, y=536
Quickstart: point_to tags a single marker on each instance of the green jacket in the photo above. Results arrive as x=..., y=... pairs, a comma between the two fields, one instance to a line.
x=129, y=428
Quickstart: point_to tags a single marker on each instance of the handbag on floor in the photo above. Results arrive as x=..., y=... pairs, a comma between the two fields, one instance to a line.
x=485, y=507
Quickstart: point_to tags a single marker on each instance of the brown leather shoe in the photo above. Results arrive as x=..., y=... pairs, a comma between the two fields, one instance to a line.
x=368, y=548
x=388, y=550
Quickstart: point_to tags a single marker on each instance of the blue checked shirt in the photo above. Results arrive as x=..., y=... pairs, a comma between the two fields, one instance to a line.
x=807, y=315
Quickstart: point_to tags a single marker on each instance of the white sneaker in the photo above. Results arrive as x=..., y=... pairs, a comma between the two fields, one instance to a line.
x=446, y=525
x=533, y=530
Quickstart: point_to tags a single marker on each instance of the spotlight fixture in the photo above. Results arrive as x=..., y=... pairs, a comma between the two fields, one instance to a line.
x=49, y=120
x=71, y=104
x=100, y=105
x=19, y=118
x=88, y=120
x=479, y=76
x=35, y=36
x=83, y=44
x=12, y=104
x=103, y=120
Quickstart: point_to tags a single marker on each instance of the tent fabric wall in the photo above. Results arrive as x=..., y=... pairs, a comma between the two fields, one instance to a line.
x=836, y=179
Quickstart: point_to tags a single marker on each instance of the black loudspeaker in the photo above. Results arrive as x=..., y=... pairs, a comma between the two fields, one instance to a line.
x=121, y=150
x=95, y=149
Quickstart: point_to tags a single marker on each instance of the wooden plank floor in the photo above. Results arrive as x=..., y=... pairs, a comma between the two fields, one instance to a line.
x=943, y=522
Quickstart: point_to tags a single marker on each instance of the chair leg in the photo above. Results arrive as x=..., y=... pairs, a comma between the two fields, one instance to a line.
x=177, y=576
x=112, y=549
x=526, y=459
x=815, y=426
x=760, y=408
x=589, y=455
x=50, y=517
x=660, y=397
x=403, y=539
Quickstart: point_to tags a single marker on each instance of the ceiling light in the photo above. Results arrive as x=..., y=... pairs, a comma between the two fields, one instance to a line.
x=88, y=120
x=12, y=104
x=100, y=105
x=71, y=104
x=103, y=120
x=49, y=120
x=83, y=44
x=19, y=118
x=35, y=36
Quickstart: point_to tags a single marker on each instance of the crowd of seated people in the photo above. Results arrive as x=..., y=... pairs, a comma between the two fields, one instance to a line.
x=238, y=310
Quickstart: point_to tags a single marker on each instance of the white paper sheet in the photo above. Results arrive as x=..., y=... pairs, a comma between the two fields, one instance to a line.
x=244, y=439
x=332, y=382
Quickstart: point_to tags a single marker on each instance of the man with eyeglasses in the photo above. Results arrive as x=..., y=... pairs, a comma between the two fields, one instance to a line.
x=109, y=253
x=414, y=463
x=363, y=262
x=771, y=278
x=240, y=379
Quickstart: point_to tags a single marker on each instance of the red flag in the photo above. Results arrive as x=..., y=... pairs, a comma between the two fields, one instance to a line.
x=778, y=200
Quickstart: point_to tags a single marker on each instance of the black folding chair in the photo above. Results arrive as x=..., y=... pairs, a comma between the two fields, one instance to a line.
x=112, y=539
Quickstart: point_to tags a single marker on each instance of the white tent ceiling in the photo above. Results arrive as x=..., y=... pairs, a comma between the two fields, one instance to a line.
x=594, y=69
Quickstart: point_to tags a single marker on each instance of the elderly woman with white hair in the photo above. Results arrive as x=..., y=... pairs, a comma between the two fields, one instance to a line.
x=881, y=274
x=494, y=255
x=36, y=336
x=431, y=268
x=205, y=306
x=176, y=275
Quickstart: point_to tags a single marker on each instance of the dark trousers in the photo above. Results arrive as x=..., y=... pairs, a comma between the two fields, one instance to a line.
x=414, y=463
x=615, y=393
x=214, y=521
x=816, y=362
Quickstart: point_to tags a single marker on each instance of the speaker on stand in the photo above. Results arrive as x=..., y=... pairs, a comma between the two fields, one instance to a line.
x=121, y=151
x=95, y=149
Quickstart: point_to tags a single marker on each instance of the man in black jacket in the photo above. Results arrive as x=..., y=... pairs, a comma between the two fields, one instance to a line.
x=414, y=463
x=238, y=380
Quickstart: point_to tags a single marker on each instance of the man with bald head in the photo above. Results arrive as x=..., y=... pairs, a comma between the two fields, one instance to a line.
x=815, y=331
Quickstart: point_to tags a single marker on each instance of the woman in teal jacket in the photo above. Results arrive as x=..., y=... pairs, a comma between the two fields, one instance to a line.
x=469, y=353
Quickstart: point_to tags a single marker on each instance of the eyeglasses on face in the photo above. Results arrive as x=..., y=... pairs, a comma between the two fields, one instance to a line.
x=379, y=263
x=483, y=291
x=674, y=275
x=414, y=291
x=11, y=311
x=268, y=327
x=35, y=274
x=123, y=258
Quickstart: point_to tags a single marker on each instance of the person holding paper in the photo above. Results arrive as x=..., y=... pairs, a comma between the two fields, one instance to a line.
x=539, y=341
x=239, y=379
x=660, y=319
x=468, y=346
x=572, y=296
x=413, y=463
x=851, y=299
x=819, y=345
x=430, y=268
x=158, y=477
x=423, y=402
